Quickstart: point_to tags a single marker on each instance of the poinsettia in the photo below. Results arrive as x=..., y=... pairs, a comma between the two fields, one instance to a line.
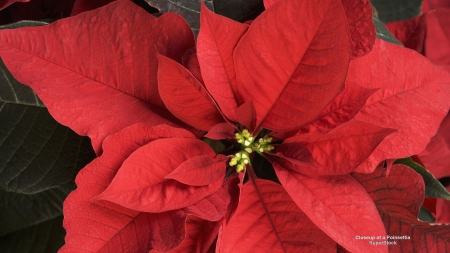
x=303, y=96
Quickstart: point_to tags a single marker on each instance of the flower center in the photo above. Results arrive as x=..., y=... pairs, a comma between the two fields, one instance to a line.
x=248, y=146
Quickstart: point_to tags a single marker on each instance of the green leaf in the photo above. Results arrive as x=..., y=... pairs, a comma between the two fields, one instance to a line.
x=190, y=10
x=31, y=223
x=23, y=23
x=389, y=10
x=20, y=211
x=46, y=237
x=239, y=10
x=433, y=188
x=383, y=33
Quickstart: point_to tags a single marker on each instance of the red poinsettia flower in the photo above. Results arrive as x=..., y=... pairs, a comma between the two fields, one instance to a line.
x=305, y=86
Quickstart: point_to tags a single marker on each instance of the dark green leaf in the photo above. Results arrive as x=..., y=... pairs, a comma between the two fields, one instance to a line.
x=23, y=23
x=264, y=169
x=239, y=10
x=46, y=237
x=393, y=10
x=433, y=188
x=189, y=9
x=383, y=33
x=425, y=215
x=21, y=211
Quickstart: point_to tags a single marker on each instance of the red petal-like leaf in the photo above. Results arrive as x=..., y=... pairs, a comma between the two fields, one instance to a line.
x=267, y=220
x=292, y=61
x=200, y=170
x=342, y=109
x=185, y=96
x=247, y=115
x=140, y=184
x=443, y=210
x=410, y=32
x=101, y=81
x=6, y=3
x=437, y=39
x=338, y=152
x=107, y=227
x=398, y=198
x=221, y=131
x=436, y=157
x=413, y=99
x=359, y=18
x=338, y=205
x=362, y=29
x=216, y=41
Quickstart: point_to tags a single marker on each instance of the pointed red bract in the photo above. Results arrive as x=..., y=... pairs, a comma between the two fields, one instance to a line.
x=267, y=220
x=140, y=184
x=200, y=170
x=338, y=205
x=89, y=69
x=291, y=72
x=221, y=131
x=342, y=109
x=362, y=29
x=413, y=98
x=398, y=198
x=185, y=96
x=216, y=41
x=103, y=227
x=359, y=18
x=410, y=33
x=338, y=152
x=247, y=115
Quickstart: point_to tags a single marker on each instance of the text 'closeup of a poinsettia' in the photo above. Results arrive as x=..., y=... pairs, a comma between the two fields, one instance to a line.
x=274, y=135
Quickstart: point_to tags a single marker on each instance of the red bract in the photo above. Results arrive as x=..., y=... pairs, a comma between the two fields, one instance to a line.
x=267, y=220
x=410, y=85
x=398, y=199
x=94, y=85
x=282, y=90
x=101, y=226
